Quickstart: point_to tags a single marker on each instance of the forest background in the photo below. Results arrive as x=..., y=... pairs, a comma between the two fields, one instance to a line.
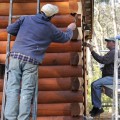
x=106, y=24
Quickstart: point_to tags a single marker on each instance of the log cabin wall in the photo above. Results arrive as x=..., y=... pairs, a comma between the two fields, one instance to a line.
x=61, y=89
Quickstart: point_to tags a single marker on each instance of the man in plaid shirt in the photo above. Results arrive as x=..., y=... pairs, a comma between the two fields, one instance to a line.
x=33, y=36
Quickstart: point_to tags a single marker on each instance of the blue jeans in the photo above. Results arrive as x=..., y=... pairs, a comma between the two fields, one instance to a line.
x=20, y=89
x=96, y=90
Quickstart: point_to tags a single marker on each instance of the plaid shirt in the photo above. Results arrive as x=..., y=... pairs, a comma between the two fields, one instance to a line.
x=24, y=58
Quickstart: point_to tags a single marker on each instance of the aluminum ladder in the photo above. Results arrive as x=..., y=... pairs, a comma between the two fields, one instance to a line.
x=116, y=86
x=34, y=107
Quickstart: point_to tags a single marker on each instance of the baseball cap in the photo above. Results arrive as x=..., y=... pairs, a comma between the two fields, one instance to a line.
x=50, y=10
x=110, y=39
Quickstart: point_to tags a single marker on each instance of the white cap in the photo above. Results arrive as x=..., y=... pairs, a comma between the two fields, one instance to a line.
x=49, y=10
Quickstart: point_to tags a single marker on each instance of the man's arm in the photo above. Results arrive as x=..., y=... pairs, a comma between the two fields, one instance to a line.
x=14, y=27
x=62, y=37
x=106, y=59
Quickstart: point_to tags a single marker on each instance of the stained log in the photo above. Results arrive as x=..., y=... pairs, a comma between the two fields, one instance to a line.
x=28, y=1
x=3, y=21
x=30, y=8
x=46, y=97
x=59, y=109
x=54, y=59
x=63, y=109
x=60, y=71
x=58, y=20
x=55, y=84
x=60, y=97
x=3, y=34
x=61, y=84
x=73, y=46
x=74, y=59
x=65, y=20
x=60, y=118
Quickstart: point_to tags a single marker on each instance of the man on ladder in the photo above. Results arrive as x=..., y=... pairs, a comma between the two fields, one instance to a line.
x=33, y=36
x=107, y=75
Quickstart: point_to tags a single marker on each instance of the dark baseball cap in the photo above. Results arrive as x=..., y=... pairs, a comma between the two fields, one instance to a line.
x=110, y=39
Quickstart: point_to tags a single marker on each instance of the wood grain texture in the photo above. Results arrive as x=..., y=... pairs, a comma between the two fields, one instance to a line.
x=28, y=1
x=61, y=21
x=46, y=97
x=61, y=118
x=63, y=109
x=54, y=59
x=57, y=109
x=72, y=46
x=55, y=84
x=4, y=34
x=30, y=8
x=60, y=71
x=58, y=20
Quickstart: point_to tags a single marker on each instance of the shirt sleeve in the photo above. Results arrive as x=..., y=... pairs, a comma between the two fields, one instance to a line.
x=14, y=27
x=106, y=59
x=62, y=37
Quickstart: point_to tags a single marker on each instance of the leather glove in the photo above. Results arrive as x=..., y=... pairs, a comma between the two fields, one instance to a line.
x=91, y=48
x=72, y=26
x=89, y=45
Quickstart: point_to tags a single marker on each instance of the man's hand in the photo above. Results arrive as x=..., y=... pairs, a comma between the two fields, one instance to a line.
x=72, y=26
x=88, y=45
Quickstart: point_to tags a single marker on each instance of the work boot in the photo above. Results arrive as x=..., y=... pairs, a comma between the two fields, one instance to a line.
x=96, y=112
x=93, y=110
